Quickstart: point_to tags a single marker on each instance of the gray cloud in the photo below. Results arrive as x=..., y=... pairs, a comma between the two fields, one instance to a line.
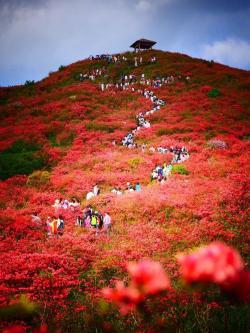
x=229, y=51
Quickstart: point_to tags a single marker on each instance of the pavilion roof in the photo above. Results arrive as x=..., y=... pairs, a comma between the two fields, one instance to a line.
x=143, y=43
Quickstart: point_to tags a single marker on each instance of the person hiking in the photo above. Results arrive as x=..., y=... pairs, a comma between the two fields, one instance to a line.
x=52, y=225
x=137, y=187
x=36, y=219
x=89, y=195
x=106, y=223
x=96, y=190
x=60, y=225
x=94, y=221
x=48, y=226
x=99, y=220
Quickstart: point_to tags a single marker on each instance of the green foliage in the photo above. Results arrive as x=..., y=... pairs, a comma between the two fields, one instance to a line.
x=92, y=126
x=57, y=140
x=24, y=309
x=208, y=319
x=37, y=112
x=135, y=162
x=213, y=93
x=21, y=146
x=209, y=134
x=168, y=212
x=3, y=101
x=21, y=158
x=246, y=137
x=29, y=88
x=170, y=131
x=29, y=83
x=187, y=114
x=38, y=178
x=61, y=68
x=180, y=169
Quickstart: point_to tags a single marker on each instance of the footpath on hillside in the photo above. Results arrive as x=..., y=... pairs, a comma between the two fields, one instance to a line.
x=94, y=219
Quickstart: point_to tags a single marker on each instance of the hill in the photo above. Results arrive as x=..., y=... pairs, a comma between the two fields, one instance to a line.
x=57, y=141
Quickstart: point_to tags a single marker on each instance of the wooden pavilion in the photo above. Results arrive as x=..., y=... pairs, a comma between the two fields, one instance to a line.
x=143, y=44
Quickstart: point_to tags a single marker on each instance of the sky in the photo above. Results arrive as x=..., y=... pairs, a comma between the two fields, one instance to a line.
x=37, y=36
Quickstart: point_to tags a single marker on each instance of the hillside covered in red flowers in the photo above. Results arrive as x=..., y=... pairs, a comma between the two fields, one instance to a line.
x=62, y=135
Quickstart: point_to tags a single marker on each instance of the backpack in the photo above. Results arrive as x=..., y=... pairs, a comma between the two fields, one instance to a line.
x=93, y=221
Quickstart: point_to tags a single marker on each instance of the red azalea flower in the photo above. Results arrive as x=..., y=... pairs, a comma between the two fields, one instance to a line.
x=15, y=329
x=216, y=263
x=126, y=297
x=149, y=277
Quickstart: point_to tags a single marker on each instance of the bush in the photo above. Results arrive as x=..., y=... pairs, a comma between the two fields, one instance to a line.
x=21, y=146
x=38, y=178
x=61, y=68
x=62, y=139
x=135, y=162
x=3, y=101
x=214, y=93
x=22, y=158
x=170, y=131
x=99, y=127
x=180, y=169
x=29, y=83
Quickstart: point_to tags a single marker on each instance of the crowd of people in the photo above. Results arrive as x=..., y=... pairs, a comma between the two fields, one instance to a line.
x=88, y=218
x=161, y=173
x=111, y=58
x=95, y=220
x=126, y=81
x=66, y=204
x=129, y=188
x=129, y=139
x=55, y=226
x=93, y=74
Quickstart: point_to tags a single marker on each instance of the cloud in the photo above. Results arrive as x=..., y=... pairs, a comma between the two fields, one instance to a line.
x=41, y=38
x=233, y=52
x=149, y=5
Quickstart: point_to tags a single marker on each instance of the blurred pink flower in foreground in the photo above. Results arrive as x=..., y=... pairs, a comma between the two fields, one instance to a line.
x=217, y=263
x=149, y=277
x=125, y=297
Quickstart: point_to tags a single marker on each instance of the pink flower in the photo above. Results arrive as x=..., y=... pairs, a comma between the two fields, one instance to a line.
x=215, y=263
x=125, y=297
x=149, y=277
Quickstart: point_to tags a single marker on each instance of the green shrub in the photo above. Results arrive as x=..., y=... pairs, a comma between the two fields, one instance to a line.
x=92, y=126
x=246, y=137
x=135, y=162
x=3, y=101
x=60, y=139
x=38, y=178
x=180, y=169
x=29, y=83
x=168, y=212
x=61, y=68
x=22, y=158
x=170, y=131
x=214, y=93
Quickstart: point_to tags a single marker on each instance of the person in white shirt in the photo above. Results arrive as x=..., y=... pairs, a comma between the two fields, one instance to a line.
x=106, y=223
x=96, y=190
